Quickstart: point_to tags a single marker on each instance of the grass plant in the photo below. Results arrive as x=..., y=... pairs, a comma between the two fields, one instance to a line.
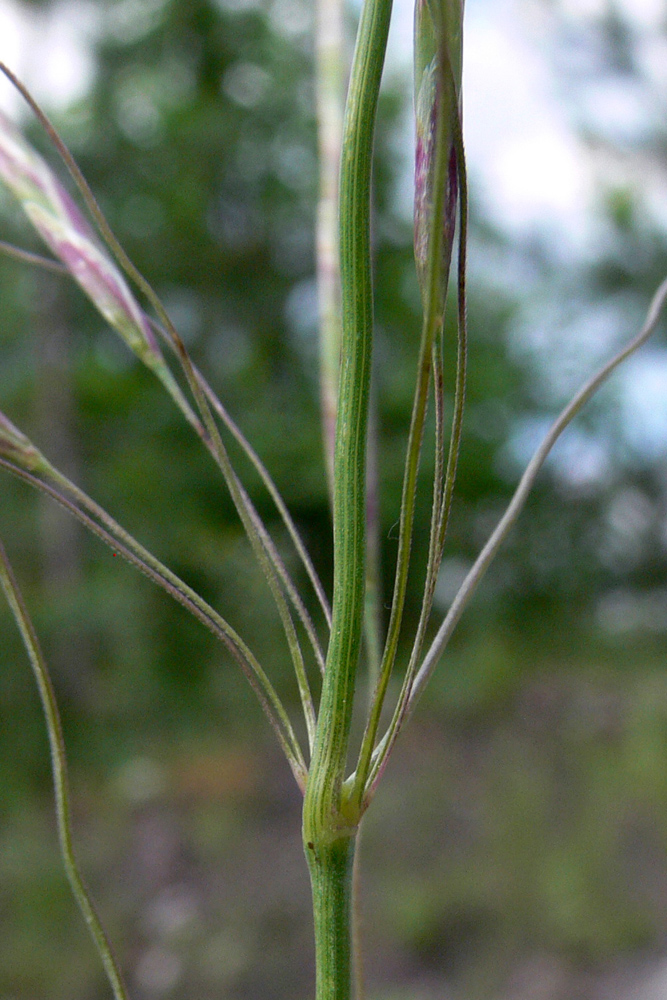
x=336, y=793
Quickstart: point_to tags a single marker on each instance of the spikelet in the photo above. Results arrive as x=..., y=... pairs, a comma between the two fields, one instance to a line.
x=68, y=235
x=437, y=66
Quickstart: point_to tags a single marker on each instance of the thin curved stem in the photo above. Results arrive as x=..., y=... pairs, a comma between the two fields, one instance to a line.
x=442, y=500
x=112, y=534
x=36, y=259
x=59, y=771
x=269, y=560
x=91, y=203
x=515, y=507
x=263, y=548
x=273, y=492
x=438, y=265
x=258, y=537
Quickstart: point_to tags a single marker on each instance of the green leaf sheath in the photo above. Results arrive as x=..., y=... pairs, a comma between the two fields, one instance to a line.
x=322, y=808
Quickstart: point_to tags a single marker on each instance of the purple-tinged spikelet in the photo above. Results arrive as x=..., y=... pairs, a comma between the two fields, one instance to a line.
x=68, y=235
x=98, y=277
x=437, y=100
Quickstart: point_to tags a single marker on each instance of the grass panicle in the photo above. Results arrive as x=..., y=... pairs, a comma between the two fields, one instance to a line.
x=333, y=802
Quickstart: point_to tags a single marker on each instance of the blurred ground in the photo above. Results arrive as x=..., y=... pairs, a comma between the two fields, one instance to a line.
x=513, y=853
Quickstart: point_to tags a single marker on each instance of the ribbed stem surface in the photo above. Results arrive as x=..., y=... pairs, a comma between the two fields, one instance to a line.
x=330, y=867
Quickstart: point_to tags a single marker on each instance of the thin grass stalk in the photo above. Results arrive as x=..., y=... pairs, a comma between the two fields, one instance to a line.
x=46, y=263
x=331, y=879
x=442, y=499
x=261, y=543
x=436, y=294
x=330, y=92
x=121, y=542
x=177, y=586
x=273, y=492
x=402, y=566
x=264, y=551
x=488, y=553
x=59, y=772
x=373, y=649
x=356, y=920
x=93, y=207
x=272, y=560
x=266, y=555
x=209, y=434
x=438, y=367
x=36, y=259
x=443, y=495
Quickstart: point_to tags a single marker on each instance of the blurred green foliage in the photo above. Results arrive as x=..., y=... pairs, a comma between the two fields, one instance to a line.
x=526, y=813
